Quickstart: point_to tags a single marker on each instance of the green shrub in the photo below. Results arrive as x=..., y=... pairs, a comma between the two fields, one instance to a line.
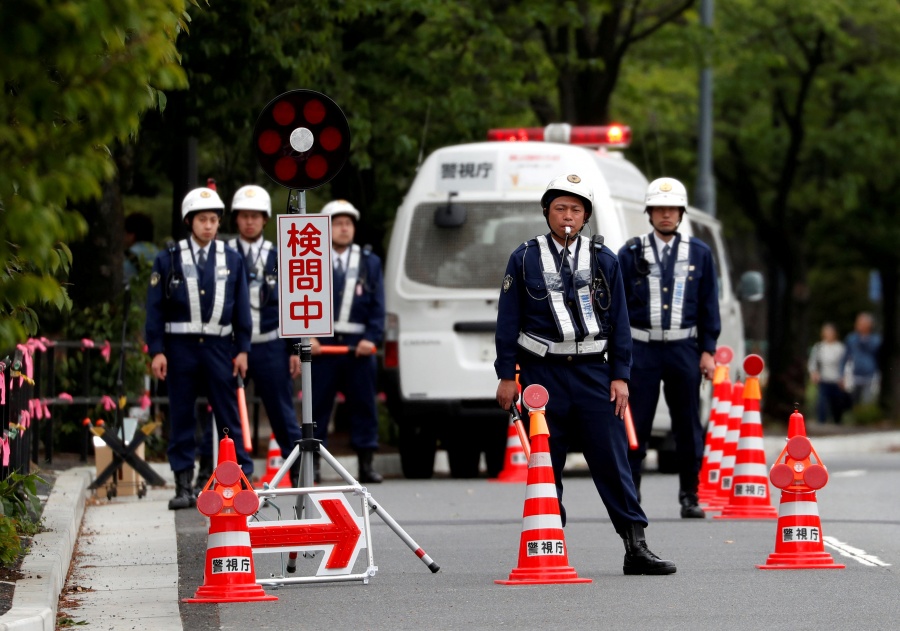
x=20, y=510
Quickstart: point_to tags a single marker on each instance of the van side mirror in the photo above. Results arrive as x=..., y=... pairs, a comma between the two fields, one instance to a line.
x=450, y=215
x=752, y=287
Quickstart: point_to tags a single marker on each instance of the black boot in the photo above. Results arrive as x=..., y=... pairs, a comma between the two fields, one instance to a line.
x=690, y=507
x=203, y=474
x=184, y=494
x=367, y=473
x=638, y=557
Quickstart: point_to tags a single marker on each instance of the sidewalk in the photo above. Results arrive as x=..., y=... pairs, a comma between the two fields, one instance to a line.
x=129, y=545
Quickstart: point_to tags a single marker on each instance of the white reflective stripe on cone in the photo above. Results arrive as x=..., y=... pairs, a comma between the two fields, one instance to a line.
x=540, y=459
x=751, y=469
x=228, y=539
x=794, y=509
x=748, y=443
x=540, y=490
x=541, y=522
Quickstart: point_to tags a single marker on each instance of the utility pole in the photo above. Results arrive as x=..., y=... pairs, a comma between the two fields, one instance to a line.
x=705, y=197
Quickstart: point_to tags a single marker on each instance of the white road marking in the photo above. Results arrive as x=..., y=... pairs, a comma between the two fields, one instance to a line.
x=852, y=473
x=856, y=554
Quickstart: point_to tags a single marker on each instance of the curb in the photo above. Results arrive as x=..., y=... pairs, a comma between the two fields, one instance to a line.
x=47, y=562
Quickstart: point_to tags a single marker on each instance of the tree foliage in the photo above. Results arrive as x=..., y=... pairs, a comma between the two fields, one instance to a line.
x=77, y=75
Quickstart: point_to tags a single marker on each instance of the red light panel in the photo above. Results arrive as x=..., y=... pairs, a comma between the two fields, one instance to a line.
x=516, y=134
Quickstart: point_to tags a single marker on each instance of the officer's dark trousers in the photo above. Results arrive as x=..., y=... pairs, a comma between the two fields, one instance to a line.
x=355, y=378
x=269, y=368
x=201, y=364
x=677, y=365
x=580, y=414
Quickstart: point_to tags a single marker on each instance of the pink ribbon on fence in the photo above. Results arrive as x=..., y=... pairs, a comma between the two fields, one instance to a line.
x=64, y=396
x=38, y=411
x=2, y=388
x=107, y=403
x=46, y=408
x=29, y=365
x=24, y=419
x=106, y=350
x=4, y=448
x=145, y=401
x=86, y=343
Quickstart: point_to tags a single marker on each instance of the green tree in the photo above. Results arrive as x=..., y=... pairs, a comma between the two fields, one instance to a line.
x=77, y=76
x=784, y=73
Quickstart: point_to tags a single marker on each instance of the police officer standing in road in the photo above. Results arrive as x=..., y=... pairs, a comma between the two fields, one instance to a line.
x=271, y=363
x=198, y=333
x=562, y=318
x=358, y=291
x=673, y=305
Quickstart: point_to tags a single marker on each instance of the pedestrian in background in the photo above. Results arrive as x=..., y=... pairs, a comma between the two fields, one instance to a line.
x=139, y=246
x=198, y=334
x=358, y=294
x=673, y=303
x=562, y=318
x=860, y=365
x=825, y=362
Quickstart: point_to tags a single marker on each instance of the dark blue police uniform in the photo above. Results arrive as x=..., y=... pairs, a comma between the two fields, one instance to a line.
x=577, y=377
x=674, y=314
x=354, y=376
x=200, y=320
x=269, y=362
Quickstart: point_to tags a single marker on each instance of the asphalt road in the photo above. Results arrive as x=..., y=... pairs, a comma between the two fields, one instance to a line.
x=471, y=528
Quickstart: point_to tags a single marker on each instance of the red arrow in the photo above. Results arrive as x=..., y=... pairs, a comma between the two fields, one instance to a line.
x=341, y=530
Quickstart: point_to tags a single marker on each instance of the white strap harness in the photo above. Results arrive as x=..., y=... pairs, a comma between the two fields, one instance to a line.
x=556, y=292
x=343, y=324
x=681, y=261
x=256, y=287
x=191, y=277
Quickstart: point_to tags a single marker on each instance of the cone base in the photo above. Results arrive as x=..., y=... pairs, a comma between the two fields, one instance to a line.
x=800, y=561
x=229, y=594
x=543, y=576
x=511, y=476
x=748, y=512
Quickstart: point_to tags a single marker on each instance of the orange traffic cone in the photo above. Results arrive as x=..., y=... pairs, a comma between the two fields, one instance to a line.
x=749, y=498
x=543, y=557
x=229, y=575
x=515, y=463
x=799, y=543
x=729, y=447
x=273, y=464
x=708, y=489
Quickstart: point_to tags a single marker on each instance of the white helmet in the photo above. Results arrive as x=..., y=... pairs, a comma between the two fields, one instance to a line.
x=569, y=185
x=252, y=197
x=666, y=191
x=340, y=207
x=201, y=199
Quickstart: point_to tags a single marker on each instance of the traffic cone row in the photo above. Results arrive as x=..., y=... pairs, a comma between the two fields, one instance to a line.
x=709, y=482
x=274, y=461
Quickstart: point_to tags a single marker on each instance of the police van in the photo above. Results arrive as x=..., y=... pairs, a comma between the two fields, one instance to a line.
x=468, y=208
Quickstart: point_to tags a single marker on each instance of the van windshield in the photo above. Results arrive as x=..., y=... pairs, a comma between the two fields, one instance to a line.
x=473, y=255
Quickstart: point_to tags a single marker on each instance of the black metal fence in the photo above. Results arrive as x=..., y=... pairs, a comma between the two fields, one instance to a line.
x=30, y=402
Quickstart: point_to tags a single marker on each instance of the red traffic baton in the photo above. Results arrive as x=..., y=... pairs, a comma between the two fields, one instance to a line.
x=629, y=428
x=520, y=430
x=337, y=350
x=242, y=411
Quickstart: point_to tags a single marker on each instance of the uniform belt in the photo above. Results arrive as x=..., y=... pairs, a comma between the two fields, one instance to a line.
x=259, y=338
x=349, y=327
x=663, y=335
x=541, y=347
x=190, y=328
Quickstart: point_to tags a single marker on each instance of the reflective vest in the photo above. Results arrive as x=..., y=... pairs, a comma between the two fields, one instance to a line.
x=191, y=277
x=342, y=324
x=257, y=286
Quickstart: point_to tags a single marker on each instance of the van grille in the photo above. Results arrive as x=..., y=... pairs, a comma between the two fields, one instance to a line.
x=473, y=255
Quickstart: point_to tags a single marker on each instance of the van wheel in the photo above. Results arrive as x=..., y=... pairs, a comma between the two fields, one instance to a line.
x=417, y=447
x=464, y=460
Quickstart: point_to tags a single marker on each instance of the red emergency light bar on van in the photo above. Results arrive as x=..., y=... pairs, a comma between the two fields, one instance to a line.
x=613, y=136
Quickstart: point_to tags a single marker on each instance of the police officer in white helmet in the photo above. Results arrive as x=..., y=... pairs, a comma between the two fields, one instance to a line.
x=198, y=333
x=673, y=306
x=358, y=294
x=562, y=319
